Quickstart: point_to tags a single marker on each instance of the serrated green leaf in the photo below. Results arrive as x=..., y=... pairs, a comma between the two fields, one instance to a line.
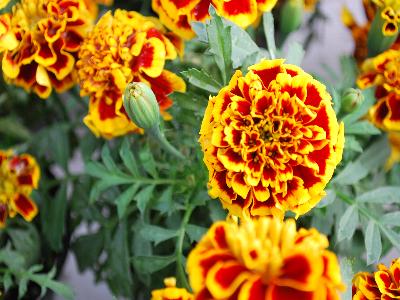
x=46, y=282
x=295, y=54
x=165, y=203
x=195, y=232
x=87, y=249
x=53, y=218
x=362, y=128
x=348, y=223
x=26, y=242
x=373, y=243
x=220, y=43
x=392, y=236
x=269, y=30
x=12, y=259
x=143, y=197
x=13, y=128
x=391, y=219
x=202, y=80
x=384, y=195
x=351, y=143
x=107, y=159
x=151, y=264
x=128, y=158
x=7, y=280
x=96, y=169
x=125, y=198
x=148, y=162
x=217, y=213
x=329, y=198
x=156, y=234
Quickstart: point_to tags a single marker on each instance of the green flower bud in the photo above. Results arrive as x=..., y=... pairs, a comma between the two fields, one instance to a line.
x=141, y=105
x=379, y=39
x=291, y=16
x=351, y=99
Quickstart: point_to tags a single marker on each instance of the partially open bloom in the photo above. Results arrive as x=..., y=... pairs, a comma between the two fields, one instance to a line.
x=171, y=292
x=383, y=72
x=390, y=13
x=123, y=48
x=19, y=175
x=271, y=141
x=263, y=259
x=177, y=15
x=40, y=40
x=383, y=284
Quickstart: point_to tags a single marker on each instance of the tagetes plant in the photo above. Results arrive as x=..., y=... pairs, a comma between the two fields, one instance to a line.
x=184, y=154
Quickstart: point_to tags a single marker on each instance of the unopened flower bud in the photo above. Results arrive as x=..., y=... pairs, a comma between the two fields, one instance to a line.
x=379, y=37
x=141, y=105
x=291, y=16
x=351, y=99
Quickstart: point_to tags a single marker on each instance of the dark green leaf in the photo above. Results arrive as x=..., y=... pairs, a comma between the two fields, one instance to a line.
x=128, y=158
x=125, y=198
x=156, y=234
x=151, y=264
x=59, y=140
x=13, y=128
x=202, y=80
x=348, y=223
x=87, y=249
x=195, y=232
x=143, y=197
x=107, y=159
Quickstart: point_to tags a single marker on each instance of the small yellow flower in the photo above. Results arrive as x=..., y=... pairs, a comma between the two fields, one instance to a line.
x=19, y=175
x=122, y=48
x=266, y=259
x=383, y=284
x=171, y=292
x=178, y=15
x=39, y=41
x=271, y=141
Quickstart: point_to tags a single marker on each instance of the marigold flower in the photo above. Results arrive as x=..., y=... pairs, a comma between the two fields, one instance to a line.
x=271, y=141
x=19, y=176
x=382, y=71
x=4, y=3
x=177, y=15
x=40, y=40
x=123, y=48
x=383, y=284
x=171, y=292
x=390, y=13
x=266, y=259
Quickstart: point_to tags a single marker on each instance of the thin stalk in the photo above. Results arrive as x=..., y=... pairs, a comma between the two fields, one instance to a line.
x=159, y=136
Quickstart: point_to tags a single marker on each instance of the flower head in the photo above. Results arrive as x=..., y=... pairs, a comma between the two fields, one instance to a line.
x=171, y=292
x=123, y=48
x=19, y=176
x=383, y=284
x=383, y=71
x=271, y=141
x=263, y=259
x=40, y=40
x=390, y=13
x=178, y=15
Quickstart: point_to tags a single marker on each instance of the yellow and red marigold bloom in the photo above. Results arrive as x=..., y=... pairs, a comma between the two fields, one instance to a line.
x=264, y=258
x=271, y=141
x=40, y=40
x=123, y=48
x=390, y=13
x=19, y=176
x=177, y=15
x=383, y=284
x=171, y=292
x=382, y=71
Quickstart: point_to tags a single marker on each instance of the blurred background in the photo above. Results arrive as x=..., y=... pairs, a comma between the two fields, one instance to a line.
x=333, y=40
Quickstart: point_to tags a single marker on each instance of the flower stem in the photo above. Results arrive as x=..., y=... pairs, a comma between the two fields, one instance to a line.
x=157, y=134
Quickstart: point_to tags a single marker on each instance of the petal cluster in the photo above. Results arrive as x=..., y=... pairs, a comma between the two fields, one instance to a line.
x=390, y=13
x=178, y=15
x=383, y=72
x=271, y=141
x=171, y=292
x=383, y=284
x=19, y=176
x=40, y=40
x=123, y=48
x=266, y=259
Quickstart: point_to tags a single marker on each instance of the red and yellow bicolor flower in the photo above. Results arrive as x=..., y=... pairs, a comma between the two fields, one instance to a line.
x=39, y=42
x=178, y=15
x=19, y=175
x=271, y=141
x=264, y=258
x=390, y=13
x=122, y=48
x=383, y=284
x=171, y=292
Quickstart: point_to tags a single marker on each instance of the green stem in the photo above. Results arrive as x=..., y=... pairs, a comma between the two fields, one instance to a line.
x=157, y=134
